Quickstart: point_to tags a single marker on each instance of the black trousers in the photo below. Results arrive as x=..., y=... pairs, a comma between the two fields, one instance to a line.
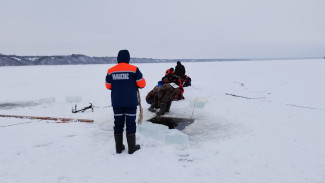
x=124, y=115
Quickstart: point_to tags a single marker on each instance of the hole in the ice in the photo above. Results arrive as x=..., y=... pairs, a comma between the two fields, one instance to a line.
x=171, y=122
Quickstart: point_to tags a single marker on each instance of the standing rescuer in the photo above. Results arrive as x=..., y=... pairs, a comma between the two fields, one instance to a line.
x=180, y=70
x=123, y=80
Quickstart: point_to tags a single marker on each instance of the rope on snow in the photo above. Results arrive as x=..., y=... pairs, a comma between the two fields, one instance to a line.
x=141, y=110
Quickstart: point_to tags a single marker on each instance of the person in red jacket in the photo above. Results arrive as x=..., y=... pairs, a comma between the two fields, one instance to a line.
x=124, y=80
x=170, y=71
x=187, y=81
x=179, y=94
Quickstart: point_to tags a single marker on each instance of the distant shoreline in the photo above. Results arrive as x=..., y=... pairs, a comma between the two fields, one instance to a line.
x=78, y=59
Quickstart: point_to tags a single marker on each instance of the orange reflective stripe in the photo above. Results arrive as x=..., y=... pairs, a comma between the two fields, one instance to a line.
x=108, y=85
x=122, y=67
x=141, y=83
x=167, y=72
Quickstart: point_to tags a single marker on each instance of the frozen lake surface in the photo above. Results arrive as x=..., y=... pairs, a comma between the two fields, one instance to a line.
x=257, y=121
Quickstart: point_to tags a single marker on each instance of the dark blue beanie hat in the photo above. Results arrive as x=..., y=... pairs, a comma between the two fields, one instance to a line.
x=123, y=56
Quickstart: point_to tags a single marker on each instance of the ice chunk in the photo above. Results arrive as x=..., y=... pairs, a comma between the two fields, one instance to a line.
x=199, y=102
x=46, y=100
x=73, y=99
x=163, y=134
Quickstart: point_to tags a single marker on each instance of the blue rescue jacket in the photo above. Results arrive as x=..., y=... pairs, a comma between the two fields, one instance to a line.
x=123, y=80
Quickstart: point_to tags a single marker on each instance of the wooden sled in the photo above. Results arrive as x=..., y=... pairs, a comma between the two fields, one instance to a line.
x=48, y=118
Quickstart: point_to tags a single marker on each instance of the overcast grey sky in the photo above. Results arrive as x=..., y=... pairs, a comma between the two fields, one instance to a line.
x=164, y=28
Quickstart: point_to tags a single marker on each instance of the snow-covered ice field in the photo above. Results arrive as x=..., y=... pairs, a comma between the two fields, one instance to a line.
x=255, y=122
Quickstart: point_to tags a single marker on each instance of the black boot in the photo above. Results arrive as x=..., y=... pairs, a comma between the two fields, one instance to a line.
x=131, y=143
x=152, y=107
x=119, y=143
x=162, y=109
x=168, y=106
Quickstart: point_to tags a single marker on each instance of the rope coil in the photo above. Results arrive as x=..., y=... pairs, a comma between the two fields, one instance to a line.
x=141, y=110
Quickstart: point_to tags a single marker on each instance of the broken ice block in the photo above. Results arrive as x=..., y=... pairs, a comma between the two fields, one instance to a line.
x=163, y=134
